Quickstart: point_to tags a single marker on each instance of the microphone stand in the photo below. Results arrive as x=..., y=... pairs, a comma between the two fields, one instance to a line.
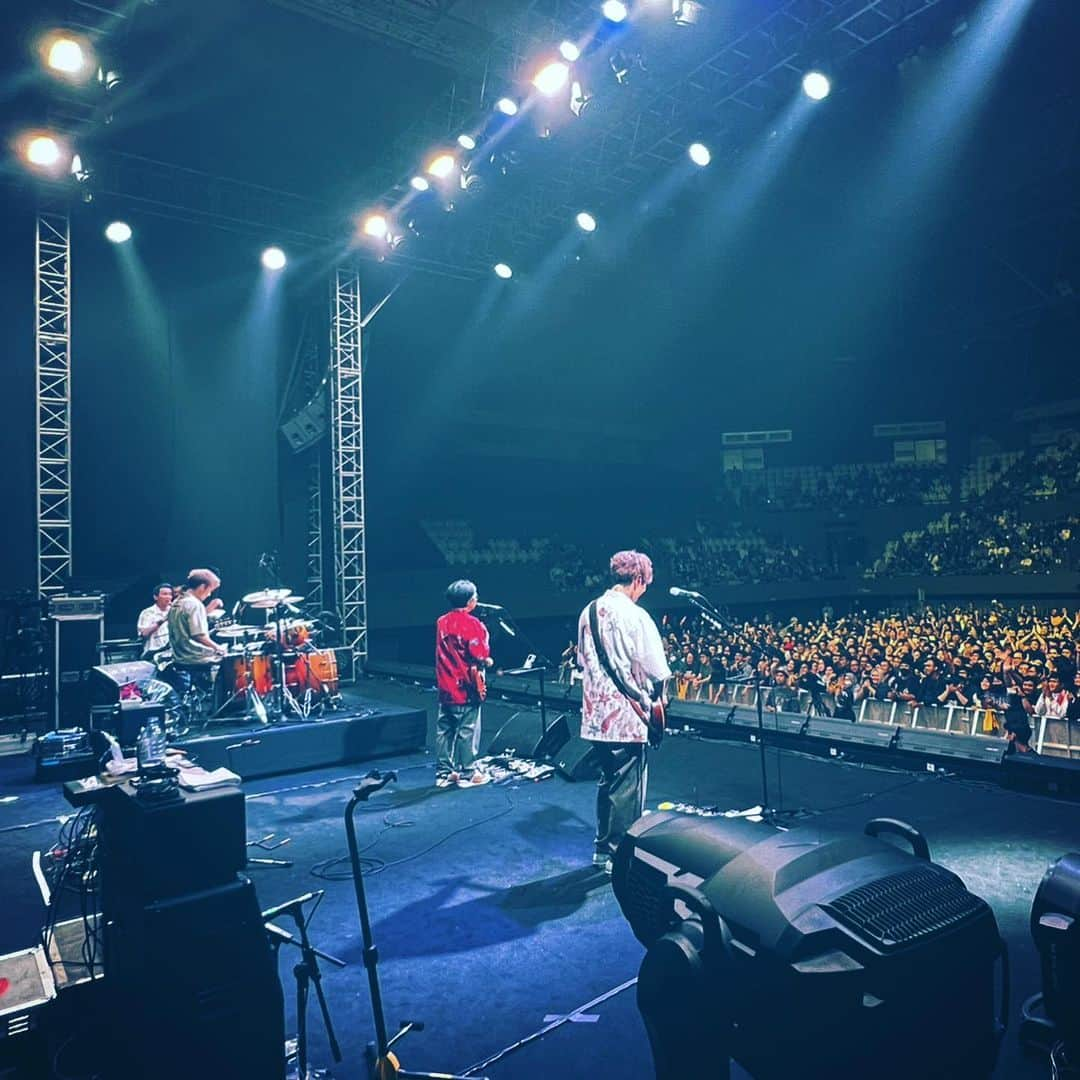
x=713, y=618
x=382, y=1064
x=540, y=665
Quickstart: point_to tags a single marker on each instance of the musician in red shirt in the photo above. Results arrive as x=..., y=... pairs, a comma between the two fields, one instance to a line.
x=462, y=652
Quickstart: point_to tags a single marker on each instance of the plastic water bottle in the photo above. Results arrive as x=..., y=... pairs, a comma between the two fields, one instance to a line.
x=150, y=745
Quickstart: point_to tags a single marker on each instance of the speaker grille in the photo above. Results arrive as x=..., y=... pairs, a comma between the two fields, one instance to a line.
x=902, y=908
x=646, y=897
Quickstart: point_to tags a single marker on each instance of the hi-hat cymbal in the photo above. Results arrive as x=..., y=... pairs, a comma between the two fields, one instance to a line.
x=236, y=631
x=293, y=600
x=267, y=597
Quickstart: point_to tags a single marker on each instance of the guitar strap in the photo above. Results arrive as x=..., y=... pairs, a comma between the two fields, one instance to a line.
x=605, y=661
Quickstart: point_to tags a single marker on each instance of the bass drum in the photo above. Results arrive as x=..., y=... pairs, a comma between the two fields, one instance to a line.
x=315, y=671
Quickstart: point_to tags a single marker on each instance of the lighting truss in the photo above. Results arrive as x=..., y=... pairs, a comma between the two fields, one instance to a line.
x=53, y=351
x=347, y=448
x=313, y=591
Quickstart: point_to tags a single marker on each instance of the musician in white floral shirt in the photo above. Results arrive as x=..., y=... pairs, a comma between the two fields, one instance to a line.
x=608, y=718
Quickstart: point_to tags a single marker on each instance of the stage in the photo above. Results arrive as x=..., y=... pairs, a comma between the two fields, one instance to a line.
x=489, y=917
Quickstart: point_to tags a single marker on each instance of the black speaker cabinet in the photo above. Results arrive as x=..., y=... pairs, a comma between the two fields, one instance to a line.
x=194, y=988
x=577, y=760
x=155, y=851
x=519, y=734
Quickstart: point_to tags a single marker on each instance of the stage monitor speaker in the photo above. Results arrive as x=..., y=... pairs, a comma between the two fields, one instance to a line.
x=944, y=744
x=844, y=731
x=195, y=989
x=553, y=740
x=578, y=760
x=1041, y=774
x=518, y=734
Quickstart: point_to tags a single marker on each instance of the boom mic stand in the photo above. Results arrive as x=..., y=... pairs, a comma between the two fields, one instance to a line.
x=307, y=974
x=712, y=616
x=382, y=1063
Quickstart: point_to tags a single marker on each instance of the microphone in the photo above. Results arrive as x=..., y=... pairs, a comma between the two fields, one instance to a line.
x=299, y=901
x=676, y=591
x=489, y=607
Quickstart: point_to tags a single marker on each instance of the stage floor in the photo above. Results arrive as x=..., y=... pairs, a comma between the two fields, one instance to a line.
x=490, y=919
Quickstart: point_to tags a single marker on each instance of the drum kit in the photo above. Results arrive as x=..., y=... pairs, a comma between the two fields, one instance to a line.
x=275, y=670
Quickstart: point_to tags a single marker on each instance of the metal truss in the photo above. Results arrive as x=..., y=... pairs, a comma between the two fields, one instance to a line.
x=313, y=591
x=53, y=352
x=347, y=450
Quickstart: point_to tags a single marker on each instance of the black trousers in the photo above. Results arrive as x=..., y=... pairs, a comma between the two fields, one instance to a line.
x=620, y=793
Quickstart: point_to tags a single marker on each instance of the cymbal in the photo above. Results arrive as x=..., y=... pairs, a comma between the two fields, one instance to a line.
x=293, y=600
x=294, y=624
x=236, y=631
x=267, y=597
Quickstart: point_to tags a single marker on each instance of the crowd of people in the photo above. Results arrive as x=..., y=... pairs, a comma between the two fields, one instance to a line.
x=839, y=487
x=739, y=555
x=1013, y=663
x=983, y=541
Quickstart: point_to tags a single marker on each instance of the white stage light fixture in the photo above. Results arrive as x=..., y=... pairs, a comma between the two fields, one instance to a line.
x=614, y=10
x=551, y=78
x=43, y=151
x=466, y=141
x=699, y=154
x=586, y=222
x=119, y=232
x=816, y=85
x=66, y=56
x=569, y=51
x=273, y=258
x=685, y=12
x=418, y=183
x=376, y=226
x=503, y=271
x=507, y=106
x=441, y=166
x=579, y=100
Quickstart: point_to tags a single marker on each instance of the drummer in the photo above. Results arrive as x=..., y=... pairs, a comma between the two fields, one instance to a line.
x=189, y=629
x=153, y=626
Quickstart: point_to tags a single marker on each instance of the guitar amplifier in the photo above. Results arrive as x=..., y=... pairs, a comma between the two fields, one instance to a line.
x=73, y=608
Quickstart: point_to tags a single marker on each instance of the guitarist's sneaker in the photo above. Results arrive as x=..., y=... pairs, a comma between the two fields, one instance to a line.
x=448, y=780
x=478, y=777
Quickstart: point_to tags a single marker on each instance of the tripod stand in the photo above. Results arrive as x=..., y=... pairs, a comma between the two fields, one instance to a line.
x=307, y=975
x=382, y=1064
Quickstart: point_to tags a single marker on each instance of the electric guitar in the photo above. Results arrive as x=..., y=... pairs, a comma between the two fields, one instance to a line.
x=655, y=717
x=476, y=682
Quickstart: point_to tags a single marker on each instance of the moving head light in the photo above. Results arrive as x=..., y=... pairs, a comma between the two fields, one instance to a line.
x=807, y=953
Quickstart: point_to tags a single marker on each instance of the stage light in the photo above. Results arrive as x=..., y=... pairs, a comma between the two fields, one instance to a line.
x=699, y=154
x=551, y=78
x=586, y=222
x=503, y=271
x=735, y=915
x=507, y=106
x=614, y=10
x=579, y=100
x=685, y=12
x=119, y=232
x=569, y=51
x=418, y=183
x=273, y=258
x=375, y=225
x=620, y=65
x=466, y=142
x=43, y=151
x=816, y=86
x=441, y=166
x=66, y=56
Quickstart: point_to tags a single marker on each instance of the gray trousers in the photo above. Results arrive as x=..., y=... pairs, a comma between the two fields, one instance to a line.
x=620, y=793
x=456, y=734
